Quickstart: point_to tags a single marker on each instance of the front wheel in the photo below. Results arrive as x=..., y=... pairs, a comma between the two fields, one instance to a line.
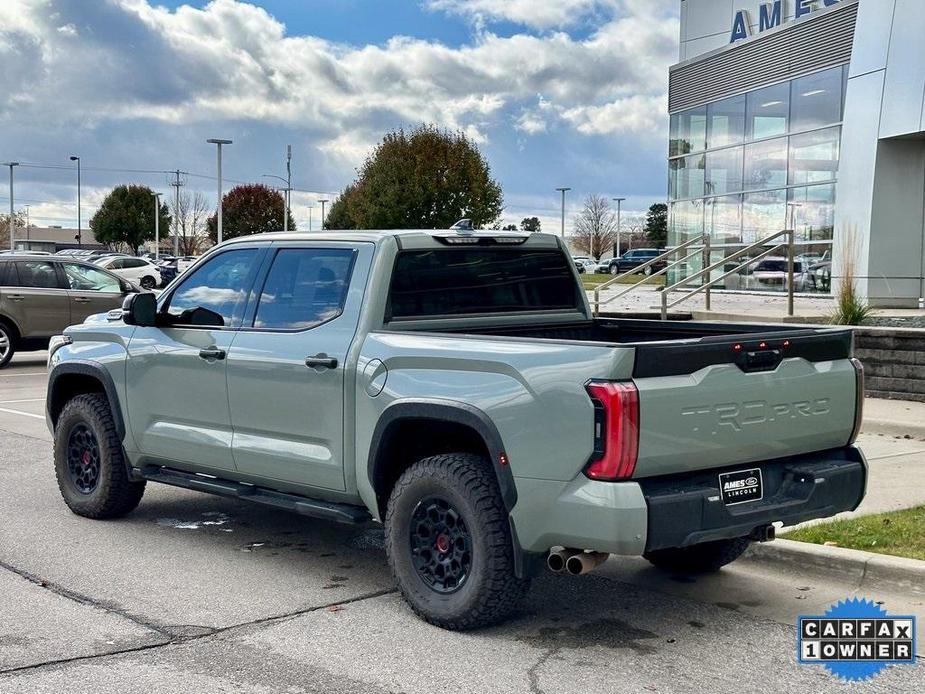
x=7, y=346
x=614, y=270
x=89, y=461
x=705, y=557
x=449, y=543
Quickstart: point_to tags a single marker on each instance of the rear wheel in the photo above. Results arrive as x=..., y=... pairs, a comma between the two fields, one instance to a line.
x=449, y=543
x=89, y=462
x=647, y=271
x=705, y=557
x=148, y=282
x=7, y=344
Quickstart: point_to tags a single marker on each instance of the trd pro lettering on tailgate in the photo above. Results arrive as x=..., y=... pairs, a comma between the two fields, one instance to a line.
x=736, y=416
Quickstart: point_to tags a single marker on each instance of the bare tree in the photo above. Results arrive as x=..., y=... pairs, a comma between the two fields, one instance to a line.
x=190, y=216
x=595, y=227
x=632, y=233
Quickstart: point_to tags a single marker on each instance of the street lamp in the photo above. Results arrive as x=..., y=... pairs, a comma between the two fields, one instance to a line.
x=286, y=191
x=79, y=234
x=26, y=207
x=619, y=202
x=11, y=164
x=310, y=208
x=563, y=191
x=157, y=225
x=323, y=203
x=219, y=143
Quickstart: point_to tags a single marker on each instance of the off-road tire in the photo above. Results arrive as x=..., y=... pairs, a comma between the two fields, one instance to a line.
x=8, y=335
x=705, y=557
x=115, y=494
x=491, y=591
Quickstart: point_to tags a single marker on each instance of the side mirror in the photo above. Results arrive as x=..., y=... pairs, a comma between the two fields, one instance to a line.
x=140, y=309
x=128, y=287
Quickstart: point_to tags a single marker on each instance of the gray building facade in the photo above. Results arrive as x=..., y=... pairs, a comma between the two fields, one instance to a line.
x=805, y=114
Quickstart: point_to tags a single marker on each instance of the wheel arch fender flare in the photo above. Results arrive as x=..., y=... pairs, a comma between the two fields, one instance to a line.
x=88, y=369
x=447, y=411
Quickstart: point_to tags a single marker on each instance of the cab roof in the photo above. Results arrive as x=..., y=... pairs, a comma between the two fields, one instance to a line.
x=406, y=238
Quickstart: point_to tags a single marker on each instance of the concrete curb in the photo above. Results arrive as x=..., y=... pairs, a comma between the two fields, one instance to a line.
x=872, y=572
x=893, y=428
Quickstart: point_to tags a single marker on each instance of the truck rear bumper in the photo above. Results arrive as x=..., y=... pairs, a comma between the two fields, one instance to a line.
x=688, y=509
x=679, y=510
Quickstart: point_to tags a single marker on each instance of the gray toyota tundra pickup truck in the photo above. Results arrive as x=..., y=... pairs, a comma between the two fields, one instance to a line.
x=456, y=387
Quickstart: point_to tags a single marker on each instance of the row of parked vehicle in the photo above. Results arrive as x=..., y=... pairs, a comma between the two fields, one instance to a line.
x=42, y=293
x=811, y=273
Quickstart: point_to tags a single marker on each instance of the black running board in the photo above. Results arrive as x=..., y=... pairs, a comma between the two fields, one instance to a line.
x=342, y=513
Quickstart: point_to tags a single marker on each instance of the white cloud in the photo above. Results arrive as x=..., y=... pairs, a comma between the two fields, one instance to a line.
x=231, y=60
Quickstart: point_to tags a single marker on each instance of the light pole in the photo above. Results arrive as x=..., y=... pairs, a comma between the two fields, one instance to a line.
x=79, y=234
x=218, y=215
x=563, y=191
x=285, y=199
x=11, y=164
x=27, y=222
x=619, y=202
x=288, y=186
x=157, y=225
x=310, y=208
x=323, y=203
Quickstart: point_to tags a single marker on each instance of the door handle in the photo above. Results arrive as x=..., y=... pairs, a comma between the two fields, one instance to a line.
x=81, y=300
x=15, y=297
x=211, y=354
x=321, y=361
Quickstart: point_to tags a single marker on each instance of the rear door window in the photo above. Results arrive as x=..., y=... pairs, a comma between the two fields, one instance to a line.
x=452, y=282
x=304, y=288
x=37, y=274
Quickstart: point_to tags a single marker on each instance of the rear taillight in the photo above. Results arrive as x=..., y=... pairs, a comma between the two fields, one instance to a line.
x=859, y=399
x=616, y=430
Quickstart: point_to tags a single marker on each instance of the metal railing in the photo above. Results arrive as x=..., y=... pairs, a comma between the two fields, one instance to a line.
x=706, y=272
x=702, y=248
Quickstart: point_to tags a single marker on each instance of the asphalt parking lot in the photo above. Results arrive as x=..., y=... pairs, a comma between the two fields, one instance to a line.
x=192, y=593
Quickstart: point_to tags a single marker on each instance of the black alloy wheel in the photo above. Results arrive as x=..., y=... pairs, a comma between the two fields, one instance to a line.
x=83, y=459
x=441, y=545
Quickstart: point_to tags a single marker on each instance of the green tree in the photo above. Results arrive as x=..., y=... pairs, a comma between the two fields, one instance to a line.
x=338, y=217
x=656, y=227
x=126, y=217
x=423, y=178
x=509, y=227
x=251, y=208
x=530, y=224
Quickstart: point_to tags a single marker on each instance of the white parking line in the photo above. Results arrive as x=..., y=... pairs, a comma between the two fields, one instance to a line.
x=35, y=373
x=24, y=414
x=10, y=402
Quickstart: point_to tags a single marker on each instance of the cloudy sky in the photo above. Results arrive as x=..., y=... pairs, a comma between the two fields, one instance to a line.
x=555, y=92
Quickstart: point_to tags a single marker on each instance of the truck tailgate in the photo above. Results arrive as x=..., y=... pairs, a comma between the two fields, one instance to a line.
x=720, y=401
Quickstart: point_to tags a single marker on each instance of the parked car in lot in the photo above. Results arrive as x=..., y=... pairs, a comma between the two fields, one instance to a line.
x=769, y=273
x=584, y=264
x=137, y=270
x=633, y=259
x=816, y=278
x=40, y=295
x=456, y=387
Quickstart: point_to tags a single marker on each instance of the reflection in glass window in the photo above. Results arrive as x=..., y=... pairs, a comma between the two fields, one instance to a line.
x=766, y=111
x=89, y=279
x=218, y=287
x=763, y=214
x=814, y=156
x=766, y=164
x=816, y=100
x=686, y=177
x=304, y=288
x=688, y=131
x=723, y=219
x=812, y=212
x=38, y=274
x=724, y=171
x=686, y=221
x=726, y=122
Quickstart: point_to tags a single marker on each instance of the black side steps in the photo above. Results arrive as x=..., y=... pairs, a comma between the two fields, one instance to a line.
x=341, y=513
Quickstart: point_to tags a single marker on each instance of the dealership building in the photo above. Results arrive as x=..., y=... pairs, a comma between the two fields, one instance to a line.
x=810, y=115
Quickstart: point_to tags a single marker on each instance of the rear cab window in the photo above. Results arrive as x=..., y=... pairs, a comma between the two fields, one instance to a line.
x=480, y=280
